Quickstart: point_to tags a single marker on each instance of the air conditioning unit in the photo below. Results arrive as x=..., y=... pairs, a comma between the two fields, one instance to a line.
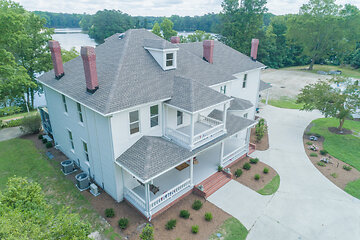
x=67, y=166
x=82, y=181
x=94, y=189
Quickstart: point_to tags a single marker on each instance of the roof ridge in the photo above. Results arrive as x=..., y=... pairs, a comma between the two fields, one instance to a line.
x=118, y=71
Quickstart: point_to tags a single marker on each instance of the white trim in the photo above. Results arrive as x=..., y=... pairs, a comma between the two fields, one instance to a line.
x=204, y=109
x=161, y=50
x=232, y=80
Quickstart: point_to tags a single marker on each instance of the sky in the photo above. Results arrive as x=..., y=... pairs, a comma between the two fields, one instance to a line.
x=156, y=7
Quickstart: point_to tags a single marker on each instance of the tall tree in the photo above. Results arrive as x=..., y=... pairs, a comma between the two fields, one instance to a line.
x=319, y=29
x=241, y=21
x=156, y=29
x=167, y=29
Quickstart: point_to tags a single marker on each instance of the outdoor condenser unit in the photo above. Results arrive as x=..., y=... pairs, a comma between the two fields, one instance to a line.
x=82, y=181
x=67, y=166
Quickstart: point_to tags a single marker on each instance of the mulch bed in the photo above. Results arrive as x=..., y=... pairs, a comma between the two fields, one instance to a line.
x=136, y=220
x=343, y=131
x=264, y=142
x=247, y=177
x=335, y=167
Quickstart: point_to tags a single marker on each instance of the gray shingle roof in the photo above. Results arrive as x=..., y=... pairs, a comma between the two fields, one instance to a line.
x=128, y=75
x=193, y=96
x=263, y=86
x=149, y=156
x=240, y=104
x=158, y=44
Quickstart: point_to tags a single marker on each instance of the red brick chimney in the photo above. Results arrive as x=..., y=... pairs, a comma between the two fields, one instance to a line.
x=254, y=48
x=208, y=50
x=89, y=60
x=175, y=39
x=56, y=58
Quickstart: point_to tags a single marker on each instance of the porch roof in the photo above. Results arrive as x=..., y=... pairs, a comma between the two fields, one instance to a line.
x=264, y=86
x=151, y=156
x=240, y=104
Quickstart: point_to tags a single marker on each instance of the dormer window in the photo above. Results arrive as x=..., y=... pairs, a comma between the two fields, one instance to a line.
x=169, y=59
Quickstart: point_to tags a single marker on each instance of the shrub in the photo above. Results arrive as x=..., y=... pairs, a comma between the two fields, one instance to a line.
x=220, y=168
x=266, y=170
x=40, y=136
x=254, y=160
x=323, y=152
x=257, y=177
x=49, y=145
x=14, y=123
x=321, y=164
x=347, y=168
x=147, y=233
x=44, y=140
x=123, y=223
x=313, y=155
x=184, y=214
x=109, y=212
x=197, y=205
x=317, y=135
x=31, y=124
x=309, y=143
x=260, y=130
x=238, y=172
x=195, y=229
x=208, y=216
x=247, y=166
x=7, y=111
x=170, y=224
x=334, y=175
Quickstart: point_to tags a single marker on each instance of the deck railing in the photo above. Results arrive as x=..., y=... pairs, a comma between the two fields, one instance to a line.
x=135, y=199
x=210, y=133
x=169, y=194
x=234, y=155
x=178, y=136
x=208, y=120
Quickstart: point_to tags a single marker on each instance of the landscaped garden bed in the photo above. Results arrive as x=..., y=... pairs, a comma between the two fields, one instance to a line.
x=340, y=153
x=263, y=143
x=260, y=177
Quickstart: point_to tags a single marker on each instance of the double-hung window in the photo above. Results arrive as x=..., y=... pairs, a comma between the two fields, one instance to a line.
x=179, y=118
x=64, y=102
x=85, y=146
x=169, y=59
x=154, y=115
x=134, y=122
x=80, y=112
x=71, y=140
x=244, y=81
x=223, y=89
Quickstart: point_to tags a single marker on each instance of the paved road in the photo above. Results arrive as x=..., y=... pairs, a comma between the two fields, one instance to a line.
x=9, y=133
x=307, y=205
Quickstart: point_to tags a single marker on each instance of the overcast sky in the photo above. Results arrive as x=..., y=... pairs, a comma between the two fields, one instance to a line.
x=156, y=7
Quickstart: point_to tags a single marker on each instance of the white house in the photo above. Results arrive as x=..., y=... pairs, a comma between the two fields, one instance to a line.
x=150, y=119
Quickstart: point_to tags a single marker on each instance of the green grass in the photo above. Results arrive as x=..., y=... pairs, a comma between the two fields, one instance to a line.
x=17, y=115
x=231, y=229
x=344, y=147
x=346, y=71
x=271, y=187
x=284, y=102
x=353, y=188
x=21, y=158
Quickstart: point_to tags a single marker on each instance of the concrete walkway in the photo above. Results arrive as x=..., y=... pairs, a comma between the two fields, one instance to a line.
x=9, y=133
x=307, y=205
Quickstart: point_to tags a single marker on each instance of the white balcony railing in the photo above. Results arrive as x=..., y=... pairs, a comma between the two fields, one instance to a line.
x=135, y=199
x=234, y=155
x=169, y=194
x=179, y=136
x=208, y=134
x=208, y=120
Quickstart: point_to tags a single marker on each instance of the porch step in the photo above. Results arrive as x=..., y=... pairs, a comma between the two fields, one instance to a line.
x=214, y=182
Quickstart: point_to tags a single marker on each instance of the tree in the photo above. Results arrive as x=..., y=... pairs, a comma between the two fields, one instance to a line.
x=199, y=36
x=241, y=21
x=319, y=29
x=330, y=100
x=69, y=55
x=156, y=29
x=167, y=29
x=260, y=130
x=25, y=214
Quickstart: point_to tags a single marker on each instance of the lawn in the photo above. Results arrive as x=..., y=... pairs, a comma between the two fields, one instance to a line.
x=284, y=102
x=343, y=147
x=271, y=187
x=17, y=115
x=346, y=71
x=353, y=188
x=20, y=157
x=231, y=229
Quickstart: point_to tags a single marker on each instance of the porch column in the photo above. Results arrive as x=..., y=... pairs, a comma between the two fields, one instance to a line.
x=267, y=96
x=192, y=130
x=224, y=116
x=164, y=116
x=221, y=153
x=192, y=172
x=147, y=199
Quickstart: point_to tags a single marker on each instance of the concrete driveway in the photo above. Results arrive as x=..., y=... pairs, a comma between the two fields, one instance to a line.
x=307, y=205
x=9, y=133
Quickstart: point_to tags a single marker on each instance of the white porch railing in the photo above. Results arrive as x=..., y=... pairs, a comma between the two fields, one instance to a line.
x=234, y=155
x=169, y=194
x=208, y=120
x=177, y=135
x=210, y=133
x=135, y=199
